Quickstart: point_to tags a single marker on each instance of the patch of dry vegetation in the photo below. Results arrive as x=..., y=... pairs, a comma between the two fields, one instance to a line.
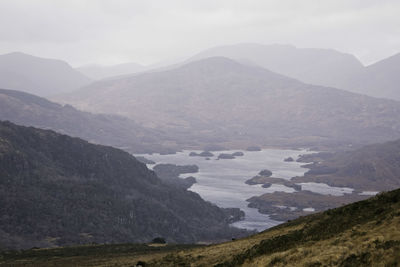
x=359, y=234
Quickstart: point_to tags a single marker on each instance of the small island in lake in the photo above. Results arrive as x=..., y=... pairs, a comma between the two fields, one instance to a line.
x=267, y=181
x=253, y=148
x=230, y=156
x=206, y=154
x=288, y=159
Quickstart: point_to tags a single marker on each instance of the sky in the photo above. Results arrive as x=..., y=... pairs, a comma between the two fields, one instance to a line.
x=148, y=32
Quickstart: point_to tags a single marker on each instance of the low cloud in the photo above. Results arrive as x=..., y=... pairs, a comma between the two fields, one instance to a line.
x=99, y=31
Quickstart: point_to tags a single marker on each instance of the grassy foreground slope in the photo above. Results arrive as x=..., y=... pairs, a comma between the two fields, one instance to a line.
x=365, y=233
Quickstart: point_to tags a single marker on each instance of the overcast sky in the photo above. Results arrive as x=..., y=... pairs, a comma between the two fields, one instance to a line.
x=148, y=31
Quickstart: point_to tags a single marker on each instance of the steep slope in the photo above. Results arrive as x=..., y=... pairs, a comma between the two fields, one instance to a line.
x=326, y=67
x=58, y=190
x=224, y=101
x=29, y=110
x=98, y=72
x=372, y=168
x=365, y=233
x=40, y=76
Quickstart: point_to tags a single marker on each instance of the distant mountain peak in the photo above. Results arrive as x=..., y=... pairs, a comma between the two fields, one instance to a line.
x=41, y=76
x=218, y=98
x=319, y=66
x=28, y=58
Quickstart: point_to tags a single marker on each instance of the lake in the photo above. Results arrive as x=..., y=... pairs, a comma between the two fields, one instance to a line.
x=222, y=181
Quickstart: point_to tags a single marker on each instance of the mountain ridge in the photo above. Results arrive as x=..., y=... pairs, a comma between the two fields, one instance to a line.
x=30, y=110
x=42, y=76
x=310, y=65
x=223, y=99
x=325, y=67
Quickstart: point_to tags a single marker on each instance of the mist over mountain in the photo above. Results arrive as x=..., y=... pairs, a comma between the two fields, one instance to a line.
x=98, y=72
x=232, y=103
x=310, y=65
x=40, y=76
x=325, y=67
x=199, y=133
x=29, y=110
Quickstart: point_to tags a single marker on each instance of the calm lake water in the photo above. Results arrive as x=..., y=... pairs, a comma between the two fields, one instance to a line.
x=222, y=181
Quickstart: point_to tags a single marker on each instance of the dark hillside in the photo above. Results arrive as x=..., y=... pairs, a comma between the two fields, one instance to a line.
x=58, y=190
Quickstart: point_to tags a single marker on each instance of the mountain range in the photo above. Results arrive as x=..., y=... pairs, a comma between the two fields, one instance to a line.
x=59, y=190
x=222, y=101
x=317, y=66
x=39, y=76
x=30, y=110
x=326, y=67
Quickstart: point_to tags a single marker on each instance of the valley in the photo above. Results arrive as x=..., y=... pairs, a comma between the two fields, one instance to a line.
x=286, y=195
x=199, y=133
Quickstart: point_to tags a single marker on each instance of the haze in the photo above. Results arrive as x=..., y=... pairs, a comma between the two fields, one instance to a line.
x=149, y=32
x=162, y=133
